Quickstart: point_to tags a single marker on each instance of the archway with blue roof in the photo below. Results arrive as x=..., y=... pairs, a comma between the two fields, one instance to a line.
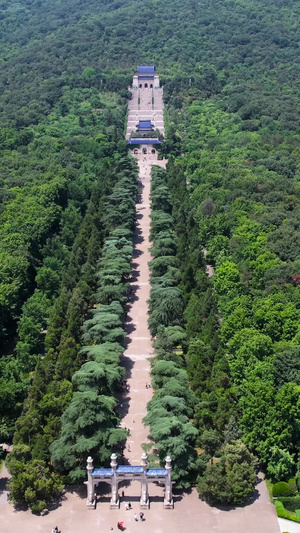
x=146, y=75
x=118, y=473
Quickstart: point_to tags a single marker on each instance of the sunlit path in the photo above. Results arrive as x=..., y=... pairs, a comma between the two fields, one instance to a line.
x=138, y=342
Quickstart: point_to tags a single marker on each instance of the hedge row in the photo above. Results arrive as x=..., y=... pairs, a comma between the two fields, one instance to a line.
x=291, y=503
x=282, y=513
x=89, y=424
x=171, y=406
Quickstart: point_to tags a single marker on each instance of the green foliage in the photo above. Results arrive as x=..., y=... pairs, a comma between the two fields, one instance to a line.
x=210, y=441
x=282, y=513
x=281, y=488
x=291, y=503
x=232, y=432
x=281, y=463
x=33, y=484
x=232, y=480
x=95, y=370
x=235, y=193
x=88, y=428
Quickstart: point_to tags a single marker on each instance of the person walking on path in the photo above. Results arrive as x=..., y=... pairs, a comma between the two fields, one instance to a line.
x=135, y=517
x=142, y=517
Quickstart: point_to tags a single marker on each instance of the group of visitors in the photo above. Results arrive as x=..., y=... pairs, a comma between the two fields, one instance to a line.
x=120, y=525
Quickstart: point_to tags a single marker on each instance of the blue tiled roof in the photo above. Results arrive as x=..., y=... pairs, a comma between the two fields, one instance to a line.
x=145, y=124
x=156, y=472
x=127, y=469
x=141, y=140
x=146, y=69
x=103, y=472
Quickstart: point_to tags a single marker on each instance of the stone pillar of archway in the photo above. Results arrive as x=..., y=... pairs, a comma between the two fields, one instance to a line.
x=168, y=500
x=135, y=82
x=91, y=500
x=114, y=501
x=144, y=501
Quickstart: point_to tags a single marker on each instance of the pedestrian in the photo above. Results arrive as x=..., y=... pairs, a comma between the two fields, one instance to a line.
x=135, y=517
x=146, y=385
x=123, y=493
x=142, y=517
x=129, y=506
x=133, y=421
x=128, y=447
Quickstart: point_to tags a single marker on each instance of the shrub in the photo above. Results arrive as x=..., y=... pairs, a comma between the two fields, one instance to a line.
x=282, y=489
x=291, y=503
x=282, y=513
x=293, y=486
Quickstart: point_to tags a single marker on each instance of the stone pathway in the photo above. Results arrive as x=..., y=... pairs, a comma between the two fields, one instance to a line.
x=138, y=341
x=189, y=514
x=145, y=110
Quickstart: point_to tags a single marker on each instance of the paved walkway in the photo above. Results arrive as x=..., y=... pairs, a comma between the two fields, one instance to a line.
x=4, y=477
x=140, y=107
x=286, y=526
x=189, y=515
x=138, y=341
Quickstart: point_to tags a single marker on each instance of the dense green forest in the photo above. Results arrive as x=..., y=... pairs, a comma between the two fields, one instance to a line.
x=230, y=197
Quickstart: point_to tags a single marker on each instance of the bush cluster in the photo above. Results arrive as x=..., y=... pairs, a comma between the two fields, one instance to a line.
x=282, y=489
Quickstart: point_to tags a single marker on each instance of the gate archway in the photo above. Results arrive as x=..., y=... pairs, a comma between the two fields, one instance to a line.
x=118, y=473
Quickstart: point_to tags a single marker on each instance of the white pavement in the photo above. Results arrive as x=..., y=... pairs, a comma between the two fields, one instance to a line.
x=286, y=526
